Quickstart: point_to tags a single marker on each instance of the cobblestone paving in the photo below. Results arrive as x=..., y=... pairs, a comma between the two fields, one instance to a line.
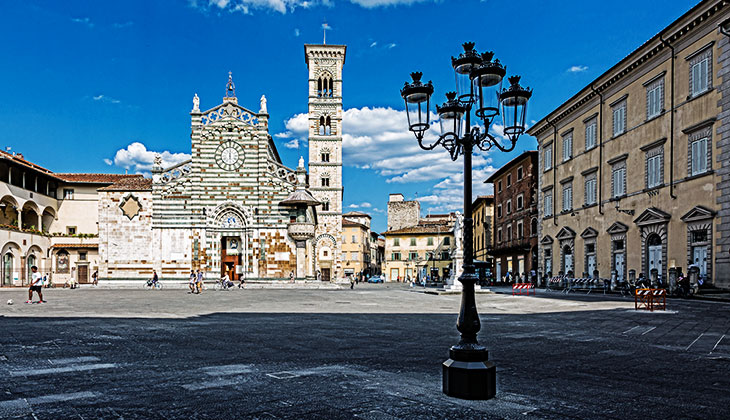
x=369, y=353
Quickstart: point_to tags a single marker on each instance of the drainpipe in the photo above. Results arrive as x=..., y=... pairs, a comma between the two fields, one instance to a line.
x=600, y=150
x=671, y=121
x=555, y=170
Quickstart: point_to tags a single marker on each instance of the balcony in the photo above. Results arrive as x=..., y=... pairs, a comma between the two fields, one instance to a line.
x=518, y=244
x=301, y=231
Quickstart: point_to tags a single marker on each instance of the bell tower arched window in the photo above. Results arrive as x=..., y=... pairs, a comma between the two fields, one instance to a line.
x=319, y=87
x=321, y=128
x=332, y=87
x=328, y=126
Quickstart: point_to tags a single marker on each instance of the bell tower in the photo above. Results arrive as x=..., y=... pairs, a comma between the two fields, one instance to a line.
x=325, y=153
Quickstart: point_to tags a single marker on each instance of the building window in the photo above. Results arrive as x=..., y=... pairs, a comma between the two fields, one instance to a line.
x=499, y=186
x=520, y=202
x=292, y=219
x=548, y=157
x=499, y=234
x=619, y=118
x=68, y=194
x=699, y=156
x=326, y=206
x=618, y=180
x=567, y=146
x=509, y=206
x=499, y=210
x=413, y=241
x=590, y=189
x=591, y=128
x=519, y=173
x=430, y=241
x=355, y=256
x=413, y=256
x=395, y=256
x=654, y=167
x=325, y=157
x=520, y=230
x=325, y=182
x=567, y=196
x=71, y=230
x=509, y=180
x=700, y=72
x=445, y=256
x=396, y=241
x=447, y=241
x=655, y=98
x=509, y=232
x=344, y=239
x=533, y=227
x=354, y=239
x=548, y=203
x=82, y=256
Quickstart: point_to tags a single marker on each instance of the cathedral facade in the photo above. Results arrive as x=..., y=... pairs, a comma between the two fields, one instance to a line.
x=234, y=208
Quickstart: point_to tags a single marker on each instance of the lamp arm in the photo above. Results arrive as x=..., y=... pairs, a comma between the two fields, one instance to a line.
x=419, y=137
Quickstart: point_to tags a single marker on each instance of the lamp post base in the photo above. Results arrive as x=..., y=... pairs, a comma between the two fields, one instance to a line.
x=469, y=375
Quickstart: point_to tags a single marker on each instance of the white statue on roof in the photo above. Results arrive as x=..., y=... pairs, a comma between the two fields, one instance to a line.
x=263, y=105
x=196, y=103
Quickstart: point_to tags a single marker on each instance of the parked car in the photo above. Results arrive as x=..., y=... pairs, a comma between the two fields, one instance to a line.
x=376, y=279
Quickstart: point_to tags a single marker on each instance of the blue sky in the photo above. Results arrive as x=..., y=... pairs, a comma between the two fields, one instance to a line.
x=98, y=86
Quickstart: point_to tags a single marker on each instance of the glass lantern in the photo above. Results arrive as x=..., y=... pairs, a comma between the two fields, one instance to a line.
x=514, y=108
x=463, y=66
x=451, y=114
x=485, y=77
x=417, y=96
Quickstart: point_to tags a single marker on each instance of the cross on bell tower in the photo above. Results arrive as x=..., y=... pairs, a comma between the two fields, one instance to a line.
x=230, y=90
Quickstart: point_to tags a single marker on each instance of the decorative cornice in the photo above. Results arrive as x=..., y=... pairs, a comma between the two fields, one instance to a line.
x=655, y=78
x=653, y=144
x=589, y=171
x=618, y=159
x=566, y=180
x=699, y=125
x=594, y=115
x=700, y=50
x=619, y=100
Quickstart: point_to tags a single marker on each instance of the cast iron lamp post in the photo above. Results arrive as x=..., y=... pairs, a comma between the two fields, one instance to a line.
x=468, y=373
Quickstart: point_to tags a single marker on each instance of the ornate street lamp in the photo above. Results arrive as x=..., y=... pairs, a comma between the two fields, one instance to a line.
x=468, y=373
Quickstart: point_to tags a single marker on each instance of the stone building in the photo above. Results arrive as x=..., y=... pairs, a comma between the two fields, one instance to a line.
x=515, y=216
x=634, y=168
x=325, y=64
x=415, y=246
x=48, y=220
x=483, y=217
x=233, y=208
x=377, y=253
x=356, y=243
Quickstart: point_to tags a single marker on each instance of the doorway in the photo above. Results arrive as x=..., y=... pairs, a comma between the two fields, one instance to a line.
x=8, y=269
x=82, y=271
x=699, y=257
x=230, y=257
x=325, y=274
x=567, y=260
x=654, y=254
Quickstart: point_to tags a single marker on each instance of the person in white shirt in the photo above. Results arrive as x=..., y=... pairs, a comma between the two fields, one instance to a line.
x=36, y=285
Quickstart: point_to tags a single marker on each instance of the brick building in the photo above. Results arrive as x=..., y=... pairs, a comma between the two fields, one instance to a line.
x=515, y=215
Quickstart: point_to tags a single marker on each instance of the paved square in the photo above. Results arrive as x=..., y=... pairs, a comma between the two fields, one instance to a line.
x=369, y=353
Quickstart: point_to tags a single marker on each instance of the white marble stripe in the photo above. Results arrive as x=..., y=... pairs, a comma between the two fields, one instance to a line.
x=74, y=360
x=65, y=369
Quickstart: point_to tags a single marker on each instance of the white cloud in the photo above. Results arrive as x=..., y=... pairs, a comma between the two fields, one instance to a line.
x=108, y=162
x=297, y=32
x=105, y=99
x=363, y=205
x=391, y=45
x=284, y=6
x=577, y=69
x=136, y=158
x=378, y=139
x=292, y=144
x=84, y=21
x=373, y=44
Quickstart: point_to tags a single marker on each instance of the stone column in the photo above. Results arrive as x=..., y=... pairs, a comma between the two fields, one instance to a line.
x=301, y=258
x=20, y=219
x=39, y=226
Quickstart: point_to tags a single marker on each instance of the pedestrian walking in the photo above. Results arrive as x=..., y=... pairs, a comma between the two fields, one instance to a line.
x=199, y=283
x=352, y=282
x=36, y=285
x=291, y=276
x=193, y=280
x=95, y=278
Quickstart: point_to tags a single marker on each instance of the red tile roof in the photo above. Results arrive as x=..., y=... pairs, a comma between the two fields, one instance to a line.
x=93, y=178
x=18, y=157
x=131, y=183
x=88, y=246
x=420, y=229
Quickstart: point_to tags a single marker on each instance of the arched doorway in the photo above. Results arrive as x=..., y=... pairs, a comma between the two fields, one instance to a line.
x=30, y=261
x=654, y=254
x=7, y=269
x=568, y=260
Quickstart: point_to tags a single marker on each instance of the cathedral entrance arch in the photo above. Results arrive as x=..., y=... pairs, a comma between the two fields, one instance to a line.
x=324, y=249
x=231, y=223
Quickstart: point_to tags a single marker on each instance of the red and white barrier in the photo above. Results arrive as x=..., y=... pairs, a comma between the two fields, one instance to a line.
x=522, y=289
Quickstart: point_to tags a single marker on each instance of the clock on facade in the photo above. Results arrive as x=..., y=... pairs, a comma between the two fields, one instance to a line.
x=229, y=155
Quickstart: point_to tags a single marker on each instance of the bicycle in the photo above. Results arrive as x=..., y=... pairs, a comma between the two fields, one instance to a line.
x=223, y=284
x=149, y=285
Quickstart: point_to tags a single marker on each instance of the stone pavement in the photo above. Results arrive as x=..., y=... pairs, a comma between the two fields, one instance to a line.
x=369, y=353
